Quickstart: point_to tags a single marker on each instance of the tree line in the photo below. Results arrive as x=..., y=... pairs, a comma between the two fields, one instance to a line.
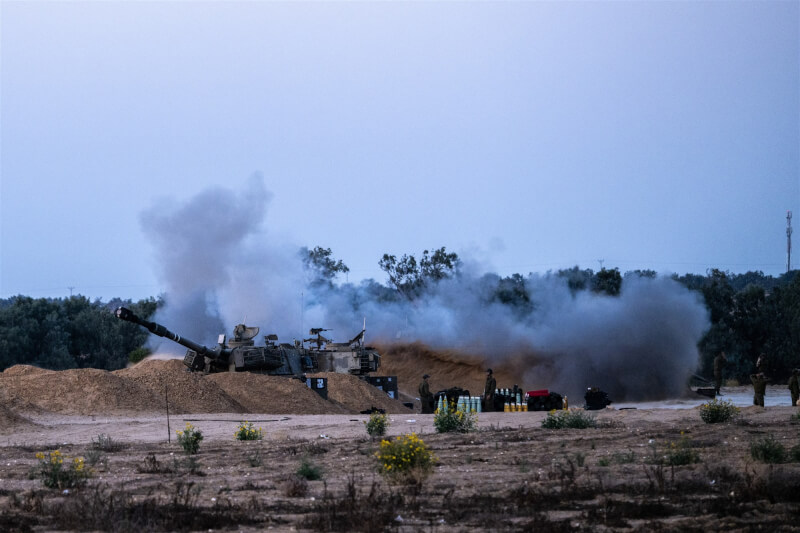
x=750, y=313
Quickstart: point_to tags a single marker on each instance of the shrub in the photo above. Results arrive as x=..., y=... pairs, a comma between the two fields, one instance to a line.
x=623, y=458
x=794, y=454
x=246, y=431
x=295, y=486
x=96, y=457
x=568, y=420
x=190, y=438
x=308, y=470
x=768, y=450
x=377, y=424
x=716, y=411
x=256, y=459
x=138, y=355
x=405, y=455
x=106, y=444
x=151, y=465
x=55, y=475
x=681, y=453
x=454, y=420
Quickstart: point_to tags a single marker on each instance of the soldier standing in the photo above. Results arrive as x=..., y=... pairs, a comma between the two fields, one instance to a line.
x=488, y=391
x=719, y=364
x=425, y=396
x=794, y=386
x=759, y=388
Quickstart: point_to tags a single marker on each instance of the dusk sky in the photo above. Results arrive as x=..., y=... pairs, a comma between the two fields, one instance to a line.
x=525, y=136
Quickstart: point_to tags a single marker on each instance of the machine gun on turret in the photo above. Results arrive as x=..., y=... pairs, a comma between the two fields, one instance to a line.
x=319, y=340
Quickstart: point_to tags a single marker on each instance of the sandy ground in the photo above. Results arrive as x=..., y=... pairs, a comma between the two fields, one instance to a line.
x=644, y=467
x=52, y=429
x=508, y=475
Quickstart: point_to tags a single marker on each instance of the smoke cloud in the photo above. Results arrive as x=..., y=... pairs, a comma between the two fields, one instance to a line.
x=222, y=267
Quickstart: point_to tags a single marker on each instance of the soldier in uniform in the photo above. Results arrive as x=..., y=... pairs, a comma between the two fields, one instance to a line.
x=719, y=364
x=425, y=396
x=488, y=391
x=794, y=385
x=759, y=388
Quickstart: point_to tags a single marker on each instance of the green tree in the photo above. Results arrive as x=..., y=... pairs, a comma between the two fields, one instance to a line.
x=512, y=291
x=577, y=279
x=322, y=266
x=438, y=265
x=403, y=273
x=410, y=278
x=607, y=281
x=719, y=299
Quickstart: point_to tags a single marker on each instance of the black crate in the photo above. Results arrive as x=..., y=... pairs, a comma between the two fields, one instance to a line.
x=545, y=403
x=387, y=384
x=318, y=385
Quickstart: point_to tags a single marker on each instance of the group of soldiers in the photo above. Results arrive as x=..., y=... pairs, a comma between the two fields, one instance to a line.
x=759, y=379
x=428, y=402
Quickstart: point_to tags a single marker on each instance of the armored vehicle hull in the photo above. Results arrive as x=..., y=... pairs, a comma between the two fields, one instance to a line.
x=242, y=355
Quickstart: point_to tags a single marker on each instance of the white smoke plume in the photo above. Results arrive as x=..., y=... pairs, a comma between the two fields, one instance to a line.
x=221, y=268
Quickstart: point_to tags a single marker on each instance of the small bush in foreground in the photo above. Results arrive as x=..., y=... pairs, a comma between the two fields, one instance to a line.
x=568, y=420
x=295, y=486
x=151, y=465
x=681, y=453
x=246, y=431
x=56, y=475
x=718, y=411
x=308, y=470
x=405, y=455
x=454, y=420
x=768, y=450
x=376, y=425
x=189, y=439
x=105, y=443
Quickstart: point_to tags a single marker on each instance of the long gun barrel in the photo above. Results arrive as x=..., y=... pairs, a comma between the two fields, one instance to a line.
x=157, y=329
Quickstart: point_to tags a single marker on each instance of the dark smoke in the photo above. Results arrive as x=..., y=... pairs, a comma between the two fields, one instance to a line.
x=221, y=267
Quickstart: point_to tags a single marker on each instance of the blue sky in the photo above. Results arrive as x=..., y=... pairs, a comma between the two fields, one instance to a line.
x=525, y=136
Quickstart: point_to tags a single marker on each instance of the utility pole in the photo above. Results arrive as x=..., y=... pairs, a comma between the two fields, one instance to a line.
x=788, y=241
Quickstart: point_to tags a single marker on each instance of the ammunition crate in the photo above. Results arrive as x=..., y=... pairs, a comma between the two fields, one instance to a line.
x=318, y=385
x=387, y=384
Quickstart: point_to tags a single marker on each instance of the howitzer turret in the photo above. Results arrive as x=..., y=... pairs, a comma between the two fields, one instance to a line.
x=240, y=355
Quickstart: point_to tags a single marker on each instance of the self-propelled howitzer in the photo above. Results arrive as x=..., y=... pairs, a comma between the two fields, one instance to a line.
x=238, y=355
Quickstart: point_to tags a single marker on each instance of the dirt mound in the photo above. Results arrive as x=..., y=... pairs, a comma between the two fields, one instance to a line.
x=78, y=392
x=259, y=393
x=358, y=395
x=25, y=370
x=8, y=418
x=447, y=368
x=188, y=392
